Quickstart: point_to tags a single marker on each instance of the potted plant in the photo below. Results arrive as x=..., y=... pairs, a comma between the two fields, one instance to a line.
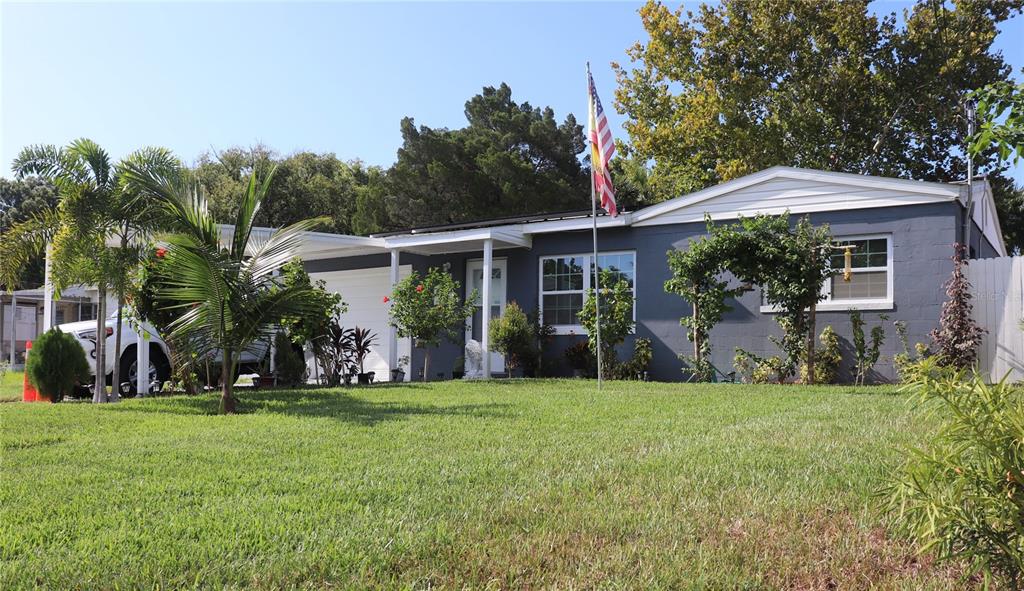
x=459, y=368
x=398, y=373
x=362, y=342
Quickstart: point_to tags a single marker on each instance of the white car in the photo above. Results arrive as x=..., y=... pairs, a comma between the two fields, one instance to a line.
x=159, y=354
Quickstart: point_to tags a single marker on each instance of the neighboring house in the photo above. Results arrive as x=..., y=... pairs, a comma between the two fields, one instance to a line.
x=904, y=231
x=21, y=316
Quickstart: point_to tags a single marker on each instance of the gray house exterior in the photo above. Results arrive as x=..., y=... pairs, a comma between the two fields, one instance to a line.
x=903, y=230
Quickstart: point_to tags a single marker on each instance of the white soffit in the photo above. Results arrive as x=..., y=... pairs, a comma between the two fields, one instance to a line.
x=778, y=189
x=471, y=240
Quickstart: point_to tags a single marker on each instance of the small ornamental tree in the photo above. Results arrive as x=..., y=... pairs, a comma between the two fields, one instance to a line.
x=616, y=320
x=56, y=364
x=958, y=337
x=428, y=309
x=696, y=275
x=513, y=335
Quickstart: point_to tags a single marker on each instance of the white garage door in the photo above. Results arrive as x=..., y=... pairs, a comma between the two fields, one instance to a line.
x=364, y=290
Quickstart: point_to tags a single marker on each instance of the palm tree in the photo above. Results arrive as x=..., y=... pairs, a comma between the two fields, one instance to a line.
x=230, y=294
x=95, y=210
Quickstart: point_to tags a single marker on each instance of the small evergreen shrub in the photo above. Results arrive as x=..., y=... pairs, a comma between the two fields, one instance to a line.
x=961, y=494
x=616, y=319
x=826, y=359
x=56, y=364
x=288, y=363
x=513, y=336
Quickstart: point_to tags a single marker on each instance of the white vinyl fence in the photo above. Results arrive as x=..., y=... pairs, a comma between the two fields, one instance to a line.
x=998, y=290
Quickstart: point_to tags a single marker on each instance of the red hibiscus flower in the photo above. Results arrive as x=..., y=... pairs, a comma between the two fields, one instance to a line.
x=161, y=253
x=419, y=288
x=386, y=299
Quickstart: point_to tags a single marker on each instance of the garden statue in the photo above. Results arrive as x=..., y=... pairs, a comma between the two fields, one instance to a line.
x=474, y=360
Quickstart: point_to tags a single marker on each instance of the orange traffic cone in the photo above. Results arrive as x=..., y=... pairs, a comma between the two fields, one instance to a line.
x=28, y=392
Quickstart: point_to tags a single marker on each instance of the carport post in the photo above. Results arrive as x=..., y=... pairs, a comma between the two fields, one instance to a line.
x=142, y=362
x=485, y=316
x=48, y=291
x=14, y=323
x=392, y=331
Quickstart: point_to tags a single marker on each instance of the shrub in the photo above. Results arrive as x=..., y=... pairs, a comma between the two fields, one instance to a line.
x=958, y=337
x=905, y=360
x=826, y=359
x=580, y=357
x=962, y=494
x=363, y=341
x=636, y=367
x=760, y=370
x=289, y=364
x=56, y=364
x=513, y=336
x=616, y=319
x=865, y=356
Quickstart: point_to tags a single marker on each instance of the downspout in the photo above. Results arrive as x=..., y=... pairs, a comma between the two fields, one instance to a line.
x=969, y=207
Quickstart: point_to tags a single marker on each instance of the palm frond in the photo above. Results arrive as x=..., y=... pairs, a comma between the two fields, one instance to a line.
x=95, y=157
x=268, y=256
x=250, y=206
x=23, y=242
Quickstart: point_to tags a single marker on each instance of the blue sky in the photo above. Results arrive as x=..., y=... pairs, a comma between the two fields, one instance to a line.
x=328, y=77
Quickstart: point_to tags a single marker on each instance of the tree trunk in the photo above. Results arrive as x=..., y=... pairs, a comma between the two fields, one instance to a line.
x=115, y=396
x=426, y=364
x=227, y=398
x=696, y=338
x=100, y=394
x=811, y=314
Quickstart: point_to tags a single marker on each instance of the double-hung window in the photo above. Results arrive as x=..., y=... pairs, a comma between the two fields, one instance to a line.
x=871, y=279
x=565, y=279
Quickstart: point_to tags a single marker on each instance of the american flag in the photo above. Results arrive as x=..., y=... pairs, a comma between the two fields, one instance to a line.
x=602, y=146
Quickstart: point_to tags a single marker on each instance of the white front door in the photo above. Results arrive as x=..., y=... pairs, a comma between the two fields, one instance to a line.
x=499, y=276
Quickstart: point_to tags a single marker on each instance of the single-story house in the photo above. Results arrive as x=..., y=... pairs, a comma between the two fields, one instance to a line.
x=903, y=231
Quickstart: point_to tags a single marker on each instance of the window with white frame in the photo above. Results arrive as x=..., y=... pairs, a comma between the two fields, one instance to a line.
x=564, y=280
x=871, y=279
x=871, y=266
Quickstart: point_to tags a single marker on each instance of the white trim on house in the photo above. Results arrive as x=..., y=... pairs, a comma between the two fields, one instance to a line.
x=471, y=240
x=588, y=277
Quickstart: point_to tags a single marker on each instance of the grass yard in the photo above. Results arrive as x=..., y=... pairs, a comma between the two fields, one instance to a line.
x=508, y=484
x=11, y=386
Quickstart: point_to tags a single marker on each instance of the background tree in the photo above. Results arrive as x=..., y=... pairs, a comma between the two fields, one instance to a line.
x=511, y=158
x=20, y=200
x=747, y=84
x=304, y=184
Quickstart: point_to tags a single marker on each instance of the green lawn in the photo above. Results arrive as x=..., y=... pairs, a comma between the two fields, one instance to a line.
x=11, y=385
x=454, y=485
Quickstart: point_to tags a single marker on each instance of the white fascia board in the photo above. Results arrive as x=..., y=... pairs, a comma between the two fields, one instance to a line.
x=699, y=215
x=586, y=223
x=938, y=191
x=510, y=235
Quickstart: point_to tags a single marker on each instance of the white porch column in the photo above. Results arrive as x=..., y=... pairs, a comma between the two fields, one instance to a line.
x=48, y=292
x=142, y=363
x=392, y=331
x=14, y=324
x=485, y=316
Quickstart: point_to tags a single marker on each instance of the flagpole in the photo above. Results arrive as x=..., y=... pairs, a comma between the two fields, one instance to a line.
x=593, y=215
